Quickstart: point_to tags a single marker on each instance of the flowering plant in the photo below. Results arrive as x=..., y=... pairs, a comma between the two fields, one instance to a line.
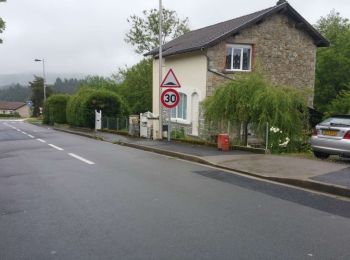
x=278, y=141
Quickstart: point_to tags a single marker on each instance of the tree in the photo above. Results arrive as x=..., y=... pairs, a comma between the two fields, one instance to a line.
x=37, y=94
x=339, y=105
x=333, y=63
x=136, y=86
x=66, y=86
x=250, y=99
x=15, y=92
x=232, y=102
x=144, y=30
x=2, y=23
x=97, y=82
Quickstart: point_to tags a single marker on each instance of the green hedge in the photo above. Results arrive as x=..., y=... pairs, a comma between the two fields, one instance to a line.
x=81, y=107
x=55, y=109
x=15, y=114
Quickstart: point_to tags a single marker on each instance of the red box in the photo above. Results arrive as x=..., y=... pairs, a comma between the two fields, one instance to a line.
x=223, y=142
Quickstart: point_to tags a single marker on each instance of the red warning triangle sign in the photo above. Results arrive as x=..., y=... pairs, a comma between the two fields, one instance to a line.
x=170, y=80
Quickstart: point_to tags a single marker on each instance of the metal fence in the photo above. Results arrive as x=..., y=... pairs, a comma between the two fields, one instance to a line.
x=115, y=123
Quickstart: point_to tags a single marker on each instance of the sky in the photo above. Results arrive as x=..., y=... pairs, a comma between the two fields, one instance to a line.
x=87, y=36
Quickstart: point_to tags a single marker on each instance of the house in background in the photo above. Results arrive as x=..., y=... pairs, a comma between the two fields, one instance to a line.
x=9, y=108
x=279, y=38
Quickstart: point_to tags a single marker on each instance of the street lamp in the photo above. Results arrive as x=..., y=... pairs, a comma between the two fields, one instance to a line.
x=44, y=75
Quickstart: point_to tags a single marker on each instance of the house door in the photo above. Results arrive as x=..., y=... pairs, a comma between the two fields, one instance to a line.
x=195, y=112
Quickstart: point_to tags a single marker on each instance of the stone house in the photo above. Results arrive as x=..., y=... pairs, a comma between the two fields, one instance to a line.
x=279, y=38
x=10, y=107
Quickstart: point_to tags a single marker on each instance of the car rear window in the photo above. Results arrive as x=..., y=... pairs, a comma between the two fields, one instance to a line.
x=336, y=121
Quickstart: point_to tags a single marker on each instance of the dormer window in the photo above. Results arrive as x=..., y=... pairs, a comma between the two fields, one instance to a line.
x=238, y=57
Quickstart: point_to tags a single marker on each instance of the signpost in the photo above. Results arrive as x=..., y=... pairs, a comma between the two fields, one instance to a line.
x=170, y=97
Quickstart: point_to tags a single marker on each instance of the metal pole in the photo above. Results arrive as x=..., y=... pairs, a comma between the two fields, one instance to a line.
x=267, y=137
x=44, y=78
x=169, y=125
x=160, y=57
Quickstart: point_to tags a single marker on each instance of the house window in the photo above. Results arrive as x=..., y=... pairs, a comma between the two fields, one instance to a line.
x=238, y=58
x=180, y=112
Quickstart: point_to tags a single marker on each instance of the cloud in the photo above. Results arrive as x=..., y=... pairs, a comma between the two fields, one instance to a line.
x=86, y=36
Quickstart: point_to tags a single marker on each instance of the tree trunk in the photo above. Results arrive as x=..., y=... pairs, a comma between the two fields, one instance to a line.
x=245, y=133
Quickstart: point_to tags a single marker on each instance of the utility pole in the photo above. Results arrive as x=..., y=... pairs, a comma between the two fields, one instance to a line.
x=160, y=57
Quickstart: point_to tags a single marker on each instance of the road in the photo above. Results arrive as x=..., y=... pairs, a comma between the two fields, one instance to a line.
x=69, y=197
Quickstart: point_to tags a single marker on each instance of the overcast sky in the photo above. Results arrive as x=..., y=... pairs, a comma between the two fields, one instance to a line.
x=87, y=36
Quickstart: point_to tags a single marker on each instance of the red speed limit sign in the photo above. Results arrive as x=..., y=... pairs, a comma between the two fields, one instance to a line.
x=170, y=98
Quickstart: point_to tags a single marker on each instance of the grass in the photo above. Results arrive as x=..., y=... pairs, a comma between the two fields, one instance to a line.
x=34, y=120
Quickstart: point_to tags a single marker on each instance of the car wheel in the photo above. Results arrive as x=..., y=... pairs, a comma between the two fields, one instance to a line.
x=321, y=155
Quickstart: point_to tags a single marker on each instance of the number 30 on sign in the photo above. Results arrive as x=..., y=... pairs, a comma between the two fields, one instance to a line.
x=170, y=98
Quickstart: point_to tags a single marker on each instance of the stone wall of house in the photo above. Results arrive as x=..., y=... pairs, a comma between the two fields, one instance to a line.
x=286, y=54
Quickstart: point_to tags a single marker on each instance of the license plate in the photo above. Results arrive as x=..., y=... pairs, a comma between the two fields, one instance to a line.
x=330, y=132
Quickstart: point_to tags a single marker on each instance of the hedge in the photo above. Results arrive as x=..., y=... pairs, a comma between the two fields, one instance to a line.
x=15, y=114
x=55, y=109
x=81, y=107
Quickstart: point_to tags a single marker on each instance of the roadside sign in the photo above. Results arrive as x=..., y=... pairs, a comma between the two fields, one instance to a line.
x=170, y=98
x=170, y=80
x=29, y=103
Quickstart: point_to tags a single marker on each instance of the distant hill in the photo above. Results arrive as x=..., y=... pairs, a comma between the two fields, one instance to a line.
x=23, y=79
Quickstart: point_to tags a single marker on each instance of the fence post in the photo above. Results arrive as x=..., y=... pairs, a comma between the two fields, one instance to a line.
x=267, y=137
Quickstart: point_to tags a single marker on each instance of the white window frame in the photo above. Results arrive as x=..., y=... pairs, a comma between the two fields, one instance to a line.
x=240, y=46
x=180, y=119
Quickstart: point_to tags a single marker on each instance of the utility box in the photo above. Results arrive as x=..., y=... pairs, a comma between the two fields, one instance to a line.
x=223, y=142
x=146, y=125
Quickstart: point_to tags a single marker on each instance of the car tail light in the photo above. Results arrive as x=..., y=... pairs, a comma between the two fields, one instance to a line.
x=314, y=132
x=347, y=135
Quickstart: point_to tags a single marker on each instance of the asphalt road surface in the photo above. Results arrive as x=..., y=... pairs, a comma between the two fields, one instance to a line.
x=69, y=197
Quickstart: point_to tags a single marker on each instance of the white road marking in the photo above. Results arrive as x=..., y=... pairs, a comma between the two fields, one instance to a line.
x=24, y=133
x=81, y=158
x=41, y=140
x=56, y=147
x=31, y=136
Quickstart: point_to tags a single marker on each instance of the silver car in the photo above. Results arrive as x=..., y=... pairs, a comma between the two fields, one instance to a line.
x=332, y=137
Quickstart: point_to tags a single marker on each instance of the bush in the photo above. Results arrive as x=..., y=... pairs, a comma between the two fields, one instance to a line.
x=55, y=109
x=339, y=105
x=15, y=114
x=81, y=107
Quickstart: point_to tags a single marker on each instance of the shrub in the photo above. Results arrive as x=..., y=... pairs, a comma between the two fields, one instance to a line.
x=55, y=109
x=81, y=107
x=339, y=105
x=15, y=114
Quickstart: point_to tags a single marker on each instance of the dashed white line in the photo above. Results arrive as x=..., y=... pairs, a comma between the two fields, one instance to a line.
x=24, y=133
x=41, y=140
x=81, y=158
x=56, y=147
x=30, y=136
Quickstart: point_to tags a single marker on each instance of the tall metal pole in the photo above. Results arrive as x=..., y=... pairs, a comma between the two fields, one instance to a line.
x=160, y=57
x=44, y=78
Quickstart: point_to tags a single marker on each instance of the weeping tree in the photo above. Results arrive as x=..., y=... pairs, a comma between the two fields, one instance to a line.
x=233, y=102
x=250, y=99
x=285, y=109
